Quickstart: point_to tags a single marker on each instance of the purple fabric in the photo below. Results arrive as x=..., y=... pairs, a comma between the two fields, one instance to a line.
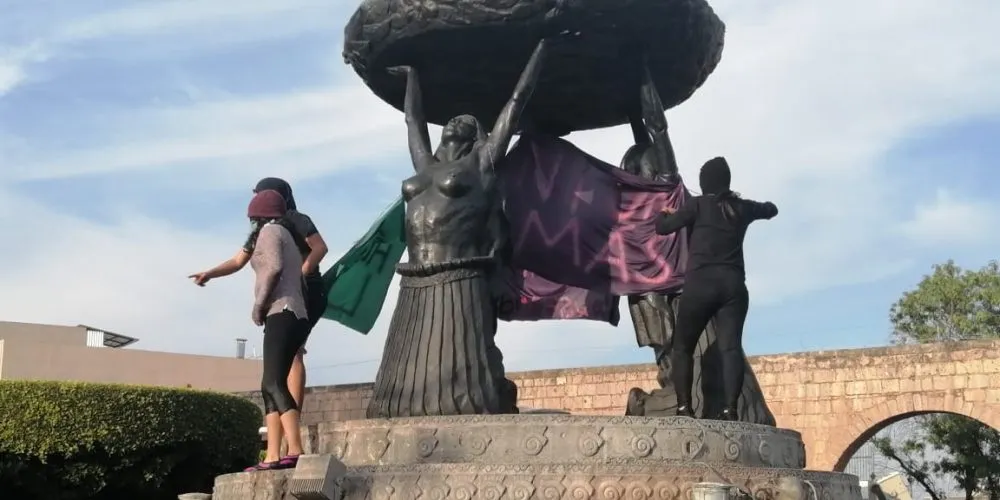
x=582, y=233
x=530, y=297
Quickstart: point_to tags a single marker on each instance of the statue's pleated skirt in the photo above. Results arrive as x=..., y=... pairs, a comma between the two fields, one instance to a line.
x=654, y=327
x=440, y=357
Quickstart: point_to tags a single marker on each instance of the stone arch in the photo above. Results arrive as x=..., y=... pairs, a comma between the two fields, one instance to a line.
x=868, y=422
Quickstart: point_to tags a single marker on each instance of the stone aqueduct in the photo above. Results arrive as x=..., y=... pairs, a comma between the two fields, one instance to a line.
x=836, y=399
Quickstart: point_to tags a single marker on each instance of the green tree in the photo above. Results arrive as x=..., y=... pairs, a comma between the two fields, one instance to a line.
x=950, y=304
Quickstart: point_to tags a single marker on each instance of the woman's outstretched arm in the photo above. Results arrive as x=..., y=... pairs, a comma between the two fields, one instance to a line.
x=670, y=221
x=656, y=124
x=496, y=145
x=761, y=210
x=416, y=121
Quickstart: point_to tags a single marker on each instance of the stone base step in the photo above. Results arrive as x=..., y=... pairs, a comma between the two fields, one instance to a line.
x=550, y=482
x=553, y=438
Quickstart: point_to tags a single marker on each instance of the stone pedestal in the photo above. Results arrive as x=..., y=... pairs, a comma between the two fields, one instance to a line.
x=555, y=457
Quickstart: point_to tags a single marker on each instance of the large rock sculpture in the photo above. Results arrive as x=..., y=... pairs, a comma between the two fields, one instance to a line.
x=471, y=53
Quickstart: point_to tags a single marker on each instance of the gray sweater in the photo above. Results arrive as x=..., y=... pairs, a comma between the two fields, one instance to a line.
x=277, y=263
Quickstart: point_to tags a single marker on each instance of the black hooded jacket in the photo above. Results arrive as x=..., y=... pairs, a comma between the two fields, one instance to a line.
x=718, y=220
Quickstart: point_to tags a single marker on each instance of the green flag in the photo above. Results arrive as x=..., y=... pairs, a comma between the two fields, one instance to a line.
x=357, y=284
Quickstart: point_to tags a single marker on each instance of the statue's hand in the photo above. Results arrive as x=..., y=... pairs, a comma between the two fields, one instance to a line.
x=558, y=23
x=398, y=70
x=558, y=11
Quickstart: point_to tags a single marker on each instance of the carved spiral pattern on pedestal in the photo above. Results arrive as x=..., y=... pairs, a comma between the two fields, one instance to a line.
x=521, y=490
x=436, y=492
x=492, y=491
x=580, y=491
x=533, y=444
x=527, y=482
x=464, y=491
x=611, y=490
x=639, y=491
x=589, y=444
x=426, y=446
x=733, y=448
x=764, y=450
x=642, y=445
x=551, y=492
x=686, y=491
x=484, y=441
x=476, y=442
x=665, y=490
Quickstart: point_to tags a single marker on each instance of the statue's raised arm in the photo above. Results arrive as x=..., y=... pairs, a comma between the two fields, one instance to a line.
x=507, y=122
x=656, y=125
x=416, y=121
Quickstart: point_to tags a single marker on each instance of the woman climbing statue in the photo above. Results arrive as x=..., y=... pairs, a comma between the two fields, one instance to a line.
x=715, y=282
x=654, y=315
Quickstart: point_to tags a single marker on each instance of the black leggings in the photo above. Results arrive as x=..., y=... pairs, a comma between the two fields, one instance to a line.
x=284, y=335
x=708, y=293
x=315, y=303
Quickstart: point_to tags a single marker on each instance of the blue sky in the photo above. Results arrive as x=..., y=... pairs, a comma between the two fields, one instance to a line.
x=131, y=133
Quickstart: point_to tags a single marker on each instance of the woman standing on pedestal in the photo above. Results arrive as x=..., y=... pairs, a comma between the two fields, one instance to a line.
x=654, y=315
x=715, y=282
x=440, y=357
x=313, y=248
x=280, y=307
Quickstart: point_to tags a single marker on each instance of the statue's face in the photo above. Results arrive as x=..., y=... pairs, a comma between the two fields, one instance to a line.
x=458, y=130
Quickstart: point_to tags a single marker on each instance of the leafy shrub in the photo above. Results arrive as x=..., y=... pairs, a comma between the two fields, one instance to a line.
x=69, y=441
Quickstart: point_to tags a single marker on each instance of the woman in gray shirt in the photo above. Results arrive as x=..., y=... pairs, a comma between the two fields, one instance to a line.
x=280, y=307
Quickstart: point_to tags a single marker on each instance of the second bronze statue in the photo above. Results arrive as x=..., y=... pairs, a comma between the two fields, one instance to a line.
x=440, y=357
x=654, y=314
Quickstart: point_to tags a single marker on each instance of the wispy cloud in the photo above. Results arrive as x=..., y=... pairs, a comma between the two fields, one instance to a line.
x=180, y=23
x=953, y=221
x=344, y=126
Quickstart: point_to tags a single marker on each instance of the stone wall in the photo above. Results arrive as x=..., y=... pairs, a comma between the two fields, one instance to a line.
x=836, y=399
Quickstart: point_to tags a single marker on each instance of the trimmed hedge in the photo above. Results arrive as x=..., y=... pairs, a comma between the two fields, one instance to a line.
x=69, y=441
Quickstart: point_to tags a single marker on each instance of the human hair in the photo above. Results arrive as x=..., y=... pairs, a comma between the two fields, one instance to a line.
x=715, y=178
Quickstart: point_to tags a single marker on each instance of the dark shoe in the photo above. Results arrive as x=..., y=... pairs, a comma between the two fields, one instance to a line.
x=263, y=466
x=729, y=414
x=287, y=462
x=635, y=405
x=685, y=411
x=507, y=392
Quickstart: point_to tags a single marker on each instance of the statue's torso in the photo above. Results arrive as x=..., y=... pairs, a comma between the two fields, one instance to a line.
x=448, y=212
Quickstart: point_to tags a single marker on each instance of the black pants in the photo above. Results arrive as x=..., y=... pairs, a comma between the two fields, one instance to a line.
x=284, y=335
x=315, y=302
x=711, y=293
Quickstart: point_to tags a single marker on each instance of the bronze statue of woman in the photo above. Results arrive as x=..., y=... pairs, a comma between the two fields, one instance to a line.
x=653, y=314
x=440, y=357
